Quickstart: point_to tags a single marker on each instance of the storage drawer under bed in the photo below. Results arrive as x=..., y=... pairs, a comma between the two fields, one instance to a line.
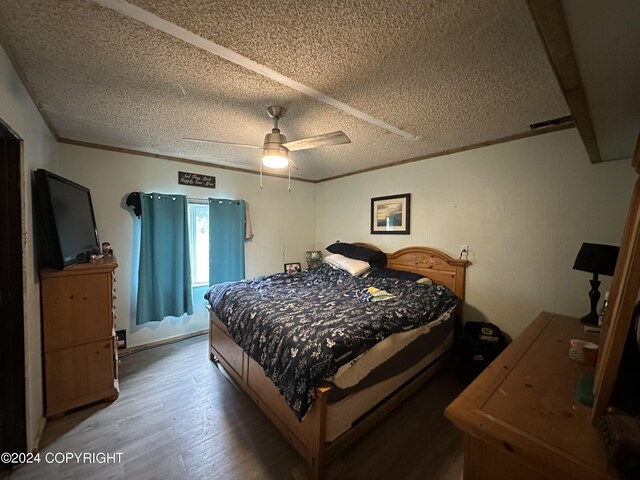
x=227, y=350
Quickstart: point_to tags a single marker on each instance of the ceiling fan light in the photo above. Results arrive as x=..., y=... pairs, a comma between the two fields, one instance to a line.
x=275, y=159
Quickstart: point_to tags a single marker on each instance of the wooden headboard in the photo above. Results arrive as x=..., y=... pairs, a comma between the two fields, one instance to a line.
x=432, y=263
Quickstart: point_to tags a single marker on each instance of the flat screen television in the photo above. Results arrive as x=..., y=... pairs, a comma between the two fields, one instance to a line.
x=66, y=220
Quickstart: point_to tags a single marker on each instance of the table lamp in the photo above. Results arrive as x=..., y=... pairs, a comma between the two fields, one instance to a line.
x=599, y=260
x=314, y=258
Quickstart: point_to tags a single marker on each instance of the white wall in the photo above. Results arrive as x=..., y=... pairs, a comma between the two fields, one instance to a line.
x=524, y=207
x=283, y=222
x=39, y=151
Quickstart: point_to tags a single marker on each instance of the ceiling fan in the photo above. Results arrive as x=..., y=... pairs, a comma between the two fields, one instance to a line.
x=276, y=148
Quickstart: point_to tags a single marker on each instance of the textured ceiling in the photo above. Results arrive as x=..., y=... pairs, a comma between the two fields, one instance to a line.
x=453, y=73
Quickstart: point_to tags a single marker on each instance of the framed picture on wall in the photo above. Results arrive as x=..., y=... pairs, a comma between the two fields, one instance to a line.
x=292, y=268
x=391, y=214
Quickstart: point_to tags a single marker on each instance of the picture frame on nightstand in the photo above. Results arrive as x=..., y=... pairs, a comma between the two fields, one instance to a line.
x=292, y=268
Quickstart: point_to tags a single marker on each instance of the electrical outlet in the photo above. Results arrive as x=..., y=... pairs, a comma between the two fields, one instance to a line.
x=464, y=250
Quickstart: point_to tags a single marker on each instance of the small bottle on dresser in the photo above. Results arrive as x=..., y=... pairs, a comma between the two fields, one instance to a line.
x=605, y=303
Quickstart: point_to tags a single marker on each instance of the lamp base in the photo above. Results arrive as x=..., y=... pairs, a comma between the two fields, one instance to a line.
x=590, y=319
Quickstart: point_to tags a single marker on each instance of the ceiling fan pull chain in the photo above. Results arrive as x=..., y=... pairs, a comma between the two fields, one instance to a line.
x=289, y=177
x=260, y=175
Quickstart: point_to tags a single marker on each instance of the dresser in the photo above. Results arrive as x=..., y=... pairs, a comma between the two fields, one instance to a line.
x=79, y=343
x=521, y=418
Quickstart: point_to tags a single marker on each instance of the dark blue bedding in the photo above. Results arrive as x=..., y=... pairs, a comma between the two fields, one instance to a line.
x=302, y=328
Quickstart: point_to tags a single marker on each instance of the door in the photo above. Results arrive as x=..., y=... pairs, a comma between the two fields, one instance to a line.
x=13, y=433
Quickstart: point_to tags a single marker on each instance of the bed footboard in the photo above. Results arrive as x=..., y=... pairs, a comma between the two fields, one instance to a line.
x=307, y=437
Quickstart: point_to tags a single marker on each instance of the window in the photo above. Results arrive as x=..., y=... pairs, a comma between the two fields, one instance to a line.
x=199, y=242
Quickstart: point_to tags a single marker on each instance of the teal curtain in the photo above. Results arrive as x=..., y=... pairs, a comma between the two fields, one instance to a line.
x=164, y=274
x=226, y=240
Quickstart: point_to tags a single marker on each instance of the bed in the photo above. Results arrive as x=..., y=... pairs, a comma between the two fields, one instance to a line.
x=361, y=390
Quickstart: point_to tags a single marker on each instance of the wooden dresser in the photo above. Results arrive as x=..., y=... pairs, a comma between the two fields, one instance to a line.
x=520, y=416
x=79, y=346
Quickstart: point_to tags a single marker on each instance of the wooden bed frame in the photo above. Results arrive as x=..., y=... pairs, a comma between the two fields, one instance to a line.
x=308, y=436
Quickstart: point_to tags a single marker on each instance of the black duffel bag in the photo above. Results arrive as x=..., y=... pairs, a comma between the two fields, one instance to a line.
x=480, y=344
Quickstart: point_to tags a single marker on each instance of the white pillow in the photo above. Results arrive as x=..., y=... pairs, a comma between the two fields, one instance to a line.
x=425, y=280
x=354, y=267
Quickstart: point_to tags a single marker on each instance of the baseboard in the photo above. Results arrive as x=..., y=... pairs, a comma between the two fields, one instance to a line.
x=165, y=341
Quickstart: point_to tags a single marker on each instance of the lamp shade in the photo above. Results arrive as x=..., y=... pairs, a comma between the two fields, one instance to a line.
x=597, y=258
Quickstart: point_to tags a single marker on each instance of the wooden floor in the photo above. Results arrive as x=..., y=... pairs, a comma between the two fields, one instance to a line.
x=179, y=417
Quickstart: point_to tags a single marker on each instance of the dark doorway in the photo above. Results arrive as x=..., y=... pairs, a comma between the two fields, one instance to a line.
x=13, y=433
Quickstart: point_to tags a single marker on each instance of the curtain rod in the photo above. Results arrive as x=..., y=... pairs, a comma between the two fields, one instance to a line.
x=204, y=201
x=201, y=201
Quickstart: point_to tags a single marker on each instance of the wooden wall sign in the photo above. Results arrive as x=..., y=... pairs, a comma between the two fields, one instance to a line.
x=196, y=180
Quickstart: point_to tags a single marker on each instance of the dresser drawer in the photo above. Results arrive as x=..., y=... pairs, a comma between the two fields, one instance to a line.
x=228, y=350
x=78, y=375
x=77, y=309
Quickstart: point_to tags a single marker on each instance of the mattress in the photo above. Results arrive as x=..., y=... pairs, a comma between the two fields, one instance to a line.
x=393, y=355
x=342, y=414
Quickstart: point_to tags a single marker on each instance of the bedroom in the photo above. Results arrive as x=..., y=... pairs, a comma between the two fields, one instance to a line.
x=523, y=206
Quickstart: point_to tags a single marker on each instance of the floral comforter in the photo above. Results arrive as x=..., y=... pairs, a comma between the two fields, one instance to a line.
x=302, y=328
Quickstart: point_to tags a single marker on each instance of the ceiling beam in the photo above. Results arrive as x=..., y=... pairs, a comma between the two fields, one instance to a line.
x=551, y=23
x=147, y=18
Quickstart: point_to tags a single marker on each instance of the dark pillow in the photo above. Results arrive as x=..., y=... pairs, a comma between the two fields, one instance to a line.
x=391, y=273
x=375, y=259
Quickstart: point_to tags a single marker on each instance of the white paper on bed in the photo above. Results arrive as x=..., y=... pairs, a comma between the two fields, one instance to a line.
x=353, y=372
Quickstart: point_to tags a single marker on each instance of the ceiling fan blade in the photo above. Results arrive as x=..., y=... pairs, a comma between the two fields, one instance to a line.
x=326, y=139
x=202, y=140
